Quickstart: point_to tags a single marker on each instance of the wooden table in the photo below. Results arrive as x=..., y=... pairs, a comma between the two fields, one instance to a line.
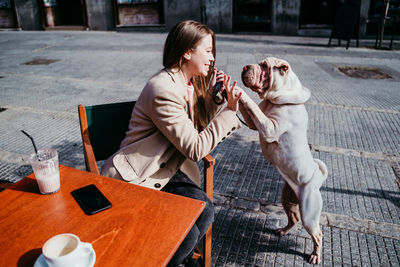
x=144, y=227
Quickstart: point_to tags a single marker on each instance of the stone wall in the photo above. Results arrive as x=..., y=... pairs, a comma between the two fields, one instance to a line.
x=285, y=16
x=100, y=14
x=215, y=13
x=29, y=14
x=178, y=10
x=218, y=15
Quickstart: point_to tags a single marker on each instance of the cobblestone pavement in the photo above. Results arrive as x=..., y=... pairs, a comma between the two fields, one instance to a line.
x=354, y=127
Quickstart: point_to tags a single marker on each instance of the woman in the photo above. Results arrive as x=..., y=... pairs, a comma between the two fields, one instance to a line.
x=173, y=125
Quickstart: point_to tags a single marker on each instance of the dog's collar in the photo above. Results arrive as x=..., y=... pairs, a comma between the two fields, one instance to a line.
x=292, y=104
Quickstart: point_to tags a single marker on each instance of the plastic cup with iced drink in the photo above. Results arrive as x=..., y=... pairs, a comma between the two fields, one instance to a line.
x=45, y=166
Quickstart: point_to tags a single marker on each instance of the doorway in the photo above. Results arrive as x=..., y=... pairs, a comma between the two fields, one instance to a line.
x=317, y=14
x=64, y=14
x=252, y=15
x=8, y=16
x=71, y=12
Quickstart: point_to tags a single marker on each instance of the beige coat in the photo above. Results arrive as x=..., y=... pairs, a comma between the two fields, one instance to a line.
x=162, y=138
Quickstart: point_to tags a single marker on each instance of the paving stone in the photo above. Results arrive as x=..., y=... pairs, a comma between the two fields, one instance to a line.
x=370, y=131
x=261, y=246
x=245, y=204
x=352, y=187
x=354, y=127
x=13, y=172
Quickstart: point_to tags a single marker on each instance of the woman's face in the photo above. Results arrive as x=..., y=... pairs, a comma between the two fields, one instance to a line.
x=201, y=57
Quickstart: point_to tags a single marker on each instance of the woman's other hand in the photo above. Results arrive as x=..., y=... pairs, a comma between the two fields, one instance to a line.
x=233, y=95
x=217, y=76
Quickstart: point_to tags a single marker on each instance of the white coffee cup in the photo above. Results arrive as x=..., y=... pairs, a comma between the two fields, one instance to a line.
x=66, y=250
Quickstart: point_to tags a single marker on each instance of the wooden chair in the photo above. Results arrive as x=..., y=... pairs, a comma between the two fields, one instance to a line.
x=103, y=127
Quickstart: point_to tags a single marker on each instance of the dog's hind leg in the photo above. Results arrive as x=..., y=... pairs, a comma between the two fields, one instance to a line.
x=291, y=205
x=310, y=210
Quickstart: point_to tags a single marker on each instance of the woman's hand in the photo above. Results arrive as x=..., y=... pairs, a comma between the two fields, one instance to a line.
x=233, y=95
x=217, y=76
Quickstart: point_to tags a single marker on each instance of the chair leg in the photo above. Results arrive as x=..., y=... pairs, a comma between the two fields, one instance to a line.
x=329, y=43
x=207, y=247
x=393, y=33
x=209, y=175
x=348, y=43
x=391, y=41
x=381, y=35
x=208, y=184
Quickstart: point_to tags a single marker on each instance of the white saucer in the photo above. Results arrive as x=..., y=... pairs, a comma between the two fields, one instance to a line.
x=40, y=262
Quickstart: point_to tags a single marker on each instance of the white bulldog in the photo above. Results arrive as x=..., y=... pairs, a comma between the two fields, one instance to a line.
x=281, y=120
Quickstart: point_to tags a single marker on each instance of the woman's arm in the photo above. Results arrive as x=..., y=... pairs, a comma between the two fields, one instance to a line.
x=170, y=117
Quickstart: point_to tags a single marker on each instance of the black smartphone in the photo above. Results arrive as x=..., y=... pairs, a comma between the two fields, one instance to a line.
x=217, y=95
x=91, y=199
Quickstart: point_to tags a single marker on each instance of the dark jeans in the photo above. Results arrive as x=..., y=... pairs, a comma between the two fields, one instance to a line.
x=181, y=185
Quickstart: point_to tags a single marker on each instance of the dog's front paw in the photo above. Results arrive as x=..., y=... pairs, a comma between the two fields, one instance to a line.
x=315, y=258
x=281, y=231
x=285, y=230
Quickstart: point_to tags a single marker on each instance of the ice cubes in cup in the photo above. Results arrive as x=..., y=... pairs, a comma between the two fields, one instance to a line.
x=46, y=169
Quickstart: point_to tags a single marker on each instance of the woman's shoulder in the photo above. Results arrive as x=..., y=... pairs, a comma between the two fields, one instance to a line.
x=164, y=82
x=160, y=79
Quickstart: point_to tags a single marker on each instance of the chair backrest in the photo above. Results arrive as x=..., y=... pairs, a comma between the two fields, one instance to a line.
x=106, y=128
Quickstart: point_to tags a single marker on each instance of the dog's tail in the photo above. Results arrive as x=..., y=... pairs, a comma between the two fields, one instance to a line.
x=322, y=168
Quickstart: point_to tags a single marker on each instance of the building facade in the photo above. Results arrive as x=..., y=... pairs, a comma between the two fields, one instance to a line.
x=285, y=17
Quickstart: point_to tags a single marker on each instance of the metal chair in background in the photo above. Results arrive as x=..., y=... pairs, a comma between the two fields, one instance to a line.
x=390, y=17
x=346, y=23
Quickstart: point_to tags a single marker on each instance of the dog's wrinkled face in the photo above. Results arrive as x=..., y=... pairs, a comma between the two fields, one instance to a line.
x=273, y=79
x=257, y=77
x=266, y=75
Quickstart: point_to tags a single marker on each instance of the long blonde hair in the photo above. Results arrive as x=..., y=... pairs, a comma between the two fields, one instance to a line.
x=185, y=36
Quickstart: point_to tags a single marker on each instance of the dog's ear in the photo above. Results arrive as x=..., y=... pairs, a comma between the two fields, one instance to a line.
x=283, y=67
x=277, y=63
x=263, y=63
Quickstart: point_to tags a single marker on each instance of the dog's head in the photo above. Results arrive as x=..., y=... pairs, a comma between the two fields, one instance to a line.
x=273, y=79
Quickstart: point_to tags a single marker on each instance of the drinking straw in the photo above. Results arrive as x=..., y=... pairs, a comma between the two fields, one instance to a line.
x=33, y=142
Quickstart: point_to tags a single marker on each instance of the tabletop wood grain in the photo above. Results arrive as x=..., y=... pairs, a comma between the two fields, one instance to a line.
x=144, y=227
